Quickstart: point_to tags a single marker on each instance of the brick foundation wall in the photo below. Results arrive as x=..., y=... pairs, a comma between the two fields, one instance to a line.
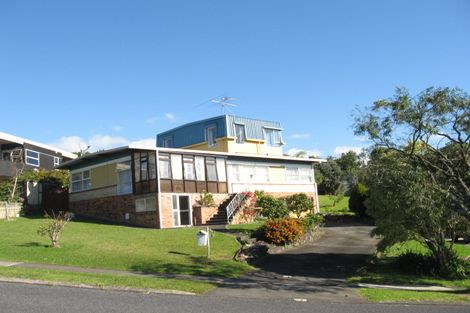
x=114, y=208
x=167, y=206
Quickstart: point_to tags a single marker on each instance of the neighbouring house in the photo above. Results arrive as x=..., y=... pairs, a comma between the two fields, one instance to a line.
x=159, y=187
x=18, y=153
x=226, y=133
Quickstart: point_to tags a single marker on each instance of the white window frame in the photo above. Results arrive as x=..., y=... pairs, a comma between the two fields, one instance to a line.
x=32, y=158
x=82, y=180
x=56, y=161
x=145, y=202
x=164, y=159
x=211, y=142
x=276, y=131
x=236, y=135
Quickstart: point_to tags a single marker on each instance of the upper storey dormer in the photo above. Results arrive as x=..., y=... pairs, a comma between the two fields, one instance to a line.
x=226, y=133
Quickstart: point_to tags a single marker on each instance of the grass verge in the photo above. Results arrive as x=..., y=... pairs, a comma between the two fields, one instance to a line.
x=94, y=245
x=101, y=280
x=384, y=273
x=387, y=295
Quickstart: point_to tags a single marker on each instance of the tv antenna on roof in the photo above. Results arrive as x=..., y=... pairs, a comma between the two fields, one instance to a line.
x=224, y=102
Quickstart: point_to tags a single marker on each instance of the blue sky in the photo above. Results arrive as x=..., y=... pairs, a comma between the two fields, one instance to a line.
x=106, y=73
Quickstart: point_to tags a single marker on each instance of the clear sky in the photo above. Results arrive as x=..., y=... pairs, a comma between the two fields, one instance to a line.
x=106, y=73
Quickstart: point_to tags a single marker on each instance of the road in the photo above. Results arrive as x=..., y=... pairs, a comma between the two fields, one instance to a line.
x=22, y=298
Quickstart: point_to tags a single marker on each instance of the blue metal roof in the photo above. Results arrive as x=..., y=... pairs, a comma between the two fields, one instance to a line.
x=194, y=132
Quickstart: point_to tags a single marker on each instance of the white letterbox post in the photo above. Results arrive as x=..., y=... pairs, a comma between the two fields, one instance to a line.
x=203, y=239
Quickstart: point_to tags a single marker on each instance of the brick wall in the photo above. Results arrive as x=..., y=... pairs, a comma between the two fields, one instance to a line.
x=167, y=206
x=114, y=208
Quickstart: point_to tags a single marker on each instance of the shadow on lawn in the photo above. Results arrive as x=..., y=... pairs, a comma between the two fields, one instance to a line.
x=199, y=266
x=33, y=244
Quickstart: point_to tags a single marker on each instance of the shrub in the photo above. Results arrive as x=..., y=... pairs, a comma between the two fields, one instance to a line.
x=310, y=221
x=282, y=231
x=414, y=263
x=299, y=203
x=55, y=227
x=206, y=199
x=272, y=207
x=357, y=199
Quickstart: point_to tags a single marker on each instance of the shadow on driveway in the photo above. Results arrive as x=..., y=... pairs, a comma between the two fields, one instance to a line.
x=315, y=271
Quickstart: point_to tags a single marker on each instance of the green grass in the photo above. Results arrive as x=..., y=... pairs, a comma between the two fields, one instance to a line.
x=101, y=280
x=95, y=245
x=383, y=273
x=387, y=295
x=246, y=228
x=341, y=208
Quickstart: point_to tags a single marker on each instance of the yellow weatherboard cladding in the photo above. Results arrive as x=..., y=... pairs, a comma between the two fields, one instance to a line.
x=103, y=176
x=228, y=144
x=277, y=174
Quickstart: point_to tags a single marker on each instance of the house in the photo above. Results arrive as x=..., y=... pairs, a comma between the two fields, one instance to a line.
x=159, y=187
x=226, y=133
x=18, y=153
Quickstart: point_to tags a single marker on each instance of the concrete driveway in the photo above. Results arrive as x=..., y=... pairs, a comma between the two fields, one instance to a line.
x=315, y=271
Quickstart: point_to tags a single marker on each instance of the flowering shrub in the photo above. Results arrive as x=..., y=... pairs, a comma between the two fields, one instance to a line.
x=282, y=231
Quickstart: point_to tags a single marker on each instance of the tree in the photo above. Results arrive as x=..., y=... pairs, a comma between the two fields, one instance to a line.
x=406, y=204
x=431, y=130
x=331, y=174
x=350, y=164
x=419, y=173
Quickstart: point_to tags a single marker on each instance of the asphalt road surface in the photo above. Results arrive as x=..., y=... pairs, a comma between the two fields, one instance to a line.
x=22, y=298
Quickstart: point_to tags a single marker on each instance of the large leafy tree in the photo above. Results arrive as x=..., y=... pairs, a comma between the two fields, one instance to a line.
x=431, y=130
x=419, y=173
x=331, y=175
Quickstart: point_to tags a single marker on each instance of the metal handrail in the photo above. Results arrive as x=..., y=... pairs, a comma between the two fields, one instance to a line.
x=234, y=205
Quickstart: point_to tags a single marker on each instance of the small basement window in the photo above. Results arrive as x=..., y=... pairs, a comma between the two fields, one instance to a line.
x=146, y=204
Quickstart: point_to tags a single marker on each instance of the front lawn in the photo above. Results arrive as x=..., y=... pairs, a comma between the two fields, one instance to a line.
x=95, y=245
x=384, y=273
x=245, y=228
x=341, y=208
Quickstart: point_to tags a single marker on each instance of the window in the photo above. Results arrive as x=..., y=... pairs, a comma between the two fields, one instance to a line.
x=145, y=172
x=221, y=169
x=299, y=175
x=176, y=169
x=144, y=166
x=164, y=166
x=273, y=137
x=200, y=169
x=211, y=133
x=32, y=158
x=240, y=133
x=146, y=204
x=211, y=169
x=56, y=161
x=81, y=181
x=124, y=176
x=167, y=142
x=188, y=167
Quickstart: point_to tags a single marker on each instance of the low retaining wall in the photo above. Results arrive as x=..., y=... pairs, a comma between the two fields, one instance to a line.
x=13, y=210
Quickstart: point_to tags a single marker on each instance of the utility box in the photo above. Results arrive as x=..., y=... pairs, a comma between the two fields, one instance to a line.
x=202, y=238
